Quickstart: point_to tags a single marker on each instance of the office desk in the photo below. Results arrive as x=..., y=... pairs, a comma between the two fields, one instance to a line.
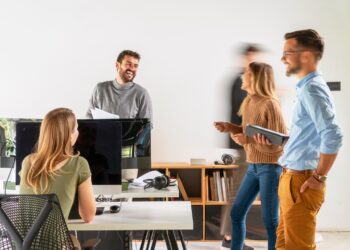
x=159, y=219
x=132, y=192
x=149, y=215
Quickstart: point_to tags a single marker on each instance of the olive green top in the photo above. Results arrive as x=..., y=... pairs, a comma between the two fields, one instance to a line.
x=65, y=182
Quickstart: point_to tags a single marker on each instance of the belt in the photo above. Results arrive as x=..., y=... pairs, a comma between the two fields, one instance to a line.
x=307, y=171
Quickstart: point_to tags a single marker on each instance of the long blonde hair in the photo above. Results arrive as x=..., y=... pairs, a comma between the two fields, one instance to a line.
x=54, y=146
x=262, y=83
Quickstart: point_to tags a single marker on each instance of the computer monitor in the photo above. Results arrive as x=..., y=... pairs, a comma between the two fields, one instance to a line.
x=109, y=145
x=99, y=142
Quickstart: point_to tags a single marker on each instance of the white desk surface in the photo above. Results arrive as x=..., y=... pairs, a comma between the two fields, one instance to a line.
x=140, y=192
x=132, y=192
x=149, y=215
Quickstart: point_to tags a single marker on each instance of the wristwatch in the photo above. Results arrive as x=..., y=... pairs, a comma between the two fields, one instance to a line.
x=320, y=178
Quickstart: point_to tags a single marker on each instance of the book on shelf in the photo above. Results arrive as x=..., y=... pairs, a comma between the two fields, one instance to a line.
x=212, y=188
x=227, y=185
x=207, y=187
x=215, y=187
x=218, y=185
x=224, y=194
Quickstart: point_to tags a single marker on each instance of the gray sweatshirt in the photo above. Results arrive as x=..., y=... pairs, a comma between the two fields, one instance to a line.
x=128, y=100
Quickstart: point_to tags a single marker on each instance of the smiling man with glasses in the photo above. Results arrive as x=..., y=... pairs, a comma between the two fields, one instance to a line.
x=315, y=139
x=290, y=52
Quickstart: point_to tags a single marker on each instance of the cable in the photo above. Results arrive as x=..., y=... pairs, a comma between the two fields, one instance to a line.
x=149, y=183
x=8, y=177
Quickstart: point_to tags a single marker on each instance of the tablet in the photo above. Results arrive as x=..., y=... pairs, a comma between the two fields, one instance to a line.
x=274, y=137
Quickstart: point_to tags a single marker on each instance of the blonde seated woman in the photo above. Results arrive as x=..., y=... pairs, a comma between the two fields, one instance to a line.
x=55, y=168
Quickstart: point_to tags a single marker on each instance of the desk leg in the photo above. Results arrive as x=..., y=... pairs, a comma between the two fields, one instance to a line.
x=167, y=239
x=182, y=240
x=165, y=236
x=144, y=238
x=150, y=238
x=127, y=240
x=173, y=240
x=154, y=240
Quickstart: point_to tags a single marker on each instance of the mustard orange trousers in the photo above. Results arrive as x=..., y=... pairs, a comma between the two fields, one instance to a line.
x=297, y=224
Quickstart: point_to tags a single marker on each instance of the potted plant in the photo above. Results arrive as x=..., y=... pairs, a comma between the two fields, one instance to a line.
x=7, y=143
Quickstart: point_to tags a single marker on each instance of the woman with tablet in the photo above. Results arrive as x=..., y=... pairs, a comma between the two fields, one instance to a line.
x=261, y=108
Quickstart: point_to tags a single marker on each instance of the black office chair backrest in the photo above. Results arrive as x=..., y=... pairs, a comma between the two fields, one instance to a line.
x=32, y=222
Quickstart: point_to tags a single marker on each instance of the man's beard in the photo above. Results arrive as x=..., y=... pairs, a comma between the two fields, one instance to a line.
x=294, y=70
x=124, y=76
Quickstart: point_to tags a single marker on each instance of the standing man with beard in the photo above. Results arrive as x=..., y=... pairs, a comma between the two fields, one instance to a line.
x=312, y=148
x=125, y=98
x=122, y=96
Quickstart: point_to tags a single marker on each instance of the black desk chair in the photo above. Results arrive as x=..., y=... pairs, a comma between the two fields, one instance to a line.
x=34, y=222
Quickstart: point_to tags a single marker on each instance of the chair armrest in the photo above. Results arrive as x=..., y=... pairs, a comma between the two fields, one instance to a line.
x=76, y=243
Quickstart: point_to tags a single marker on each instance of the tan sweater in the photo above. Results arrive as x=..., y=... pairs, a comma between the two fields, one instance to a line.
x=264, y=112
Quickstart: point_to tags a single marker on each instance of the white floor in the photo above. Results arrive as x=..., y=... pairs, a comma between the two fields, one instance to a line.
x=331, y=240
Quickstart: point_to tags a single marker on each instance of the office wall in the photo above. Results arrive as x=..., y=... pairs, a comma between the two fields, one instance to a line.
x=52, y=53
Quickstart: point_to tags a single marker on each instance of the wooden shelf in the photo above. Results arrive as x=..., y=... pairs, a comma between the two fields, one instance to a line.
x=221, y=203
x=221, y=166
x=169, y=164
x=195, y=189
x=195, y=200
x=185, y=165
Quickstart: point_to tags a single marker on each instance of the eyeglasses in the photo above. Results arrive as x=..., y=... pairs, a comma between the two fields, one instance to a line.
x=289, y=52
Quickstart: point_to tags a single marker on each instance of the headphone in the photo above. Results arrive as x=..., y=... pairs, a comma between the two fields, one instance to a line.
x=227, y=159
x=158, y=182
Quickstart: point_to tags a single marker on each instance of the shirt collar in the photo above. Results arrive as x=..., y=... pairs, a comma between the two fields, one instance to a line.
x=306, y=78
x=124, y=86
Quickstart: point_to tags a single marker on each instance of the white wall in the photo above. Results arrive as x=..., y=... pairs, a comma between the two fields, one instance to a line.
x=52, y=53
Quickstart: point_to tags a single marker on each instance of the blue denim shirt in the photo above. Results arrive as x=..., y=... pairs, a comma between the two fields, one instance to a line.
x=314, y=127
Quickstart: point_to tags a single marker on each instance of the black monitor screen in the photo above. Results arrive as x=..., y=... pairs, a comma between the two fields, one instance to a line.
x=27, y=134
x=99, y=142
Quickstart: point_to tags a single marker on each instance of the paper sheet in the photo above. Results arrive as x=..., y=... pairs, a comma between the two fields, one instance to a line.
x=101, y=114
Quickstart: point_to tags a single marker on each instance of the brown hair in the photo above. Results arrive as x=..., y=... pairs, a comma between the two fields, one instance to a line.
x=54, y=146
x=263, y=83
x=128, y=53
x=308, y=39
x=250, y=48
